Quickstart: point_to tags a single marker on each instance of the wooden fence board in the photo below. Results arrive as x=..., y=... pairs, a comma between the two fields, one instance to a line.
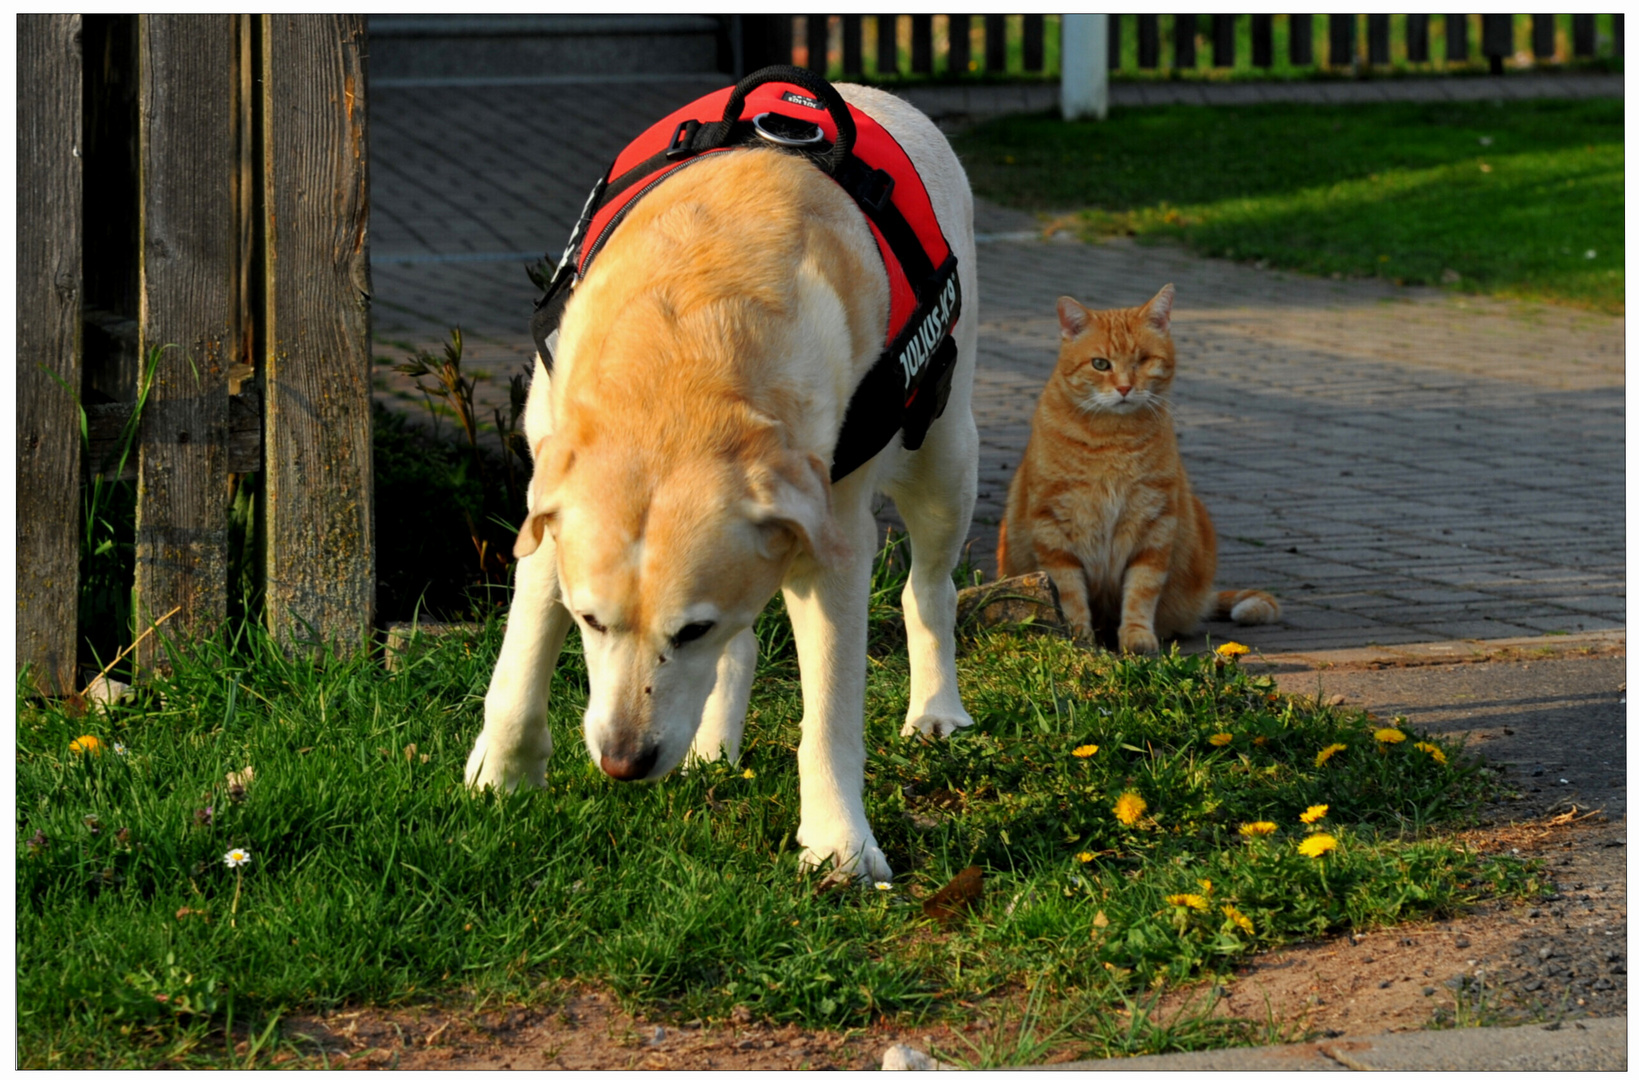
x=1183, y=41
x=1034, y=46
x=961, y=44
x=49, y=191
x=1457, y=38
x=1543, y=43
x=853, y=53
x=922, y=44
x=317, y=465
x=1377, y=40
x=189, y=150
x=1263, y=41
x=1223, y=40
x=1417, y=39
x=1582, y=35
x=1340, y=34
x=996, y=43
x=818, y=39
x=1300, y=40
x=887, y=44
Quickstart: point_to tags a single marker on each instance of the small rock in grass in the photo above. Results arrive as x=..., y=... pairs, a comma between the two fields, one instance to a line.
x=902, y=1058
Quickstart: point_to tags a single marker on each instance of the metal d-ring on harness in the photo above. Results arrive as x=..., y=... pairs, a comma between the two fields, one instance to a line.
x=906, y=389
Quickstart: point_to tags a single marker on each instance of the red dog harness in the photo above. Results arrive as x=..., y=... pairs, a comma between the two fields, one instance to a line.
x=799, y=112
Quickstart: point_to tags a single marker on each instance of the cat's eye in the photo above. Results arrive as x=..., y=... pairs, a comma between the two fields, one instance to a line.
x=692, y=632
x=1100, y=364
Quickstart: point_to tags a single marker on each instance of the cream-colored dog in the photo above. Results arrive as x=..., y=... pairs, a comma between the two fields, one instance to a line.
x=682, y=447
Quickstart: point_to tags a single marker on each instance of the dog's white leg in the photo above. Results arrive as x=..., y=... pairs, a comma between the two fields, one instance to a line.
x=936, y=500
x=725, y=716
x=515, y=744
x=828, y=620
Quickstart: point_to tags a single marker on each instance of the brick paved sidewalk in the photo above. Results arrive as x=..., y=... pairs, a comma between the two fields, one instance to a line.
x=1396, y=464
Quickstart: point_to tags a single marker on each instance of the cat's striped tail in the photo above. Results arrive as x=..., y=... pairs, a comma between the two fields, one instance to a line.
x=1249, y=607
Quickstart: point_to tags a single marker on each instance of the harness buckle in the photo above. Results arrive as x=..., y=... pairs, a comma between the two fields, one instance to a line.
x=875, y=190
x=682, y=140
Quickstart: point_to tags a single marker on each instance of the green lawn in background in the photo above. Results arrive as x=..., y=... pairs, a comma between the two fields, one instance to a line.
x=1523, y=199
x=374, y=877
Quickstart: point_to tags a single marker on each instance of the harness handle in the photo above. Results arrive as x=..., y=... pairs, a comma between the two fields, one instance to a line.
x=820, y=88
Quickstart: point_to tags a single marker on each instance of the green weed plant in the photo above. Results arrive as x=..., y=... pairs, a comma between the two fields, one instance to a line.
x=374, y=876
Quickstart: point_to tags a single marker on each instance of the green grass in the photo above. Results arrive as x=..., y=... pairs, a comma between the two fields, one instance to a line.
x=376, y=878
x=1511, y=198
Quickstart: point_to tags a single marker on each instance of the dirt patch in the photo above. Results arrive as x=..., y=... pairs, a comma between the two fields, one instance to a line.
x=1555, y=728
x=587, y=1030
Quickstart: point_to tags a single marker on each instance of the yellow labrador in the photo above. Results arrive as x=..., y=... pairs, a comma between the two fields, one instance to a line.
x=682, y=444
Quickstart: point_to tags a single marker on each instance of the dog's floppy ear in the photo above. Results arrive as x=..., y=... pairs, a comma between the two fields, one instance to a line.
x=551, y=463
x=792, y=502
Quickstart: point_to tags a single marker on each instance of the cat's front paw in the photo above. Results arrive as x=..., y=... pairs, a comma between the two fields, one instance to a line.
x=1139, y=639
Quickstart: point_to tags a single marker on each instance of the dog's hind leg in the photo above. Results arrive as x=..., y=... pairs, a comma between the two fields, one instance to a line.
x=935, y=497
x=515, y=744
x=828, y=619
x=725, y=715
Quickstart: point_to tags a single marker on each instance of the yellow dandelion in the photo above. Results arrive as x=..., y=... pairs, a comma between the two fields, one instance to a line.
x=1389, y=735
x=749, y=774
x=1232, y=648
x=1084, y=856
x=1326, y=755
x=1259, y=740
x=86, y=743
x=1085, y=751
x=1314, y=813
x=1189, y=900
x=1258, y=828
x=1237, y=918
x=1432, y=751
x=1317, y=845
x=1130, y=807
x=1220, y=738
x=1206, y=886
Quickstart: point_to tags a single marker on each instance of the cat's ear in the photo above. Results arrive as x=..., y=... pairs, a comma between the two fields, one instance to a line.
x=1158, y=312
x=1073, y=318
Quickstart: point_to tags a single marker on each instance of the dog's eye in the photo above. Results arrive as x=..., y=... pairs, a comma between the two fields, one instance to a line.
x=692, y=632
x=1100, y=364
x=593, y=624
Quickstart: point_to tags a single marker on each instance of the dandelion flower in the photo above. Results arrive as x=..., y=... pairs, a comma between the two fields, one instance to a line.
x=1220, y=738
x=1189, y=900
x=1232, y=648
x=1237, y=918
x=1389, y=735
x=1326, y=755
x=1084, y=751
x=1084, y=856
x=1432, y=751
x=1130, y=807
x=1206, y=886
x=1314, y=813
x=1258, y=828
x=749, y=774
x=236, y=858
x=1259, y=740
x=884, y=886
x=1317, y=845
x=86, y=743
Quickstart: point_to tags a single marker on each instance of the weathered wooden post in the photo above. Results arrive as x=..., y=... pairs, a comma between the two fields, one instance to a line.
x=49, y=186
x=189, y=305
x=317, y=479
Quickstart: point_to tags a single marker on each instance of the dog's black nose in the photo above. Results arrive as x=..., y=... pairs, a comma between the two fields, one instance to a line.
x=630, y=766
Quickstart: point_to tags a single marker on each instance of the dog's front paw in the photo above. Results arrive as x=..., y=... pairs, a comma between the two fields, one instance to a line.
x=846, y=860
x=936, y=725
x=491, y=767
x=1139, y=639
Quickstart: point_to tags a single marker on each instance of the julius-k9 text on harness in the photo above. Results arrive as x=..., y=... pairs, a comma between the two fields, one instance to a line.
x=799, y=112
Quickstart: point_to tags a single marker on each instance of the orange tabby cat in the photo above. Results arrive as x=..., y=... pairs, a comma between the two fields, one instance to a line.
x=1101, y=501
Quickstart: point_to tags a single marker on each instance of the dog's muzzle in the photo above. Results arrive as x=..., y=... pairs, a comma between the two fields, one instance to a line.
x=635, y=765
